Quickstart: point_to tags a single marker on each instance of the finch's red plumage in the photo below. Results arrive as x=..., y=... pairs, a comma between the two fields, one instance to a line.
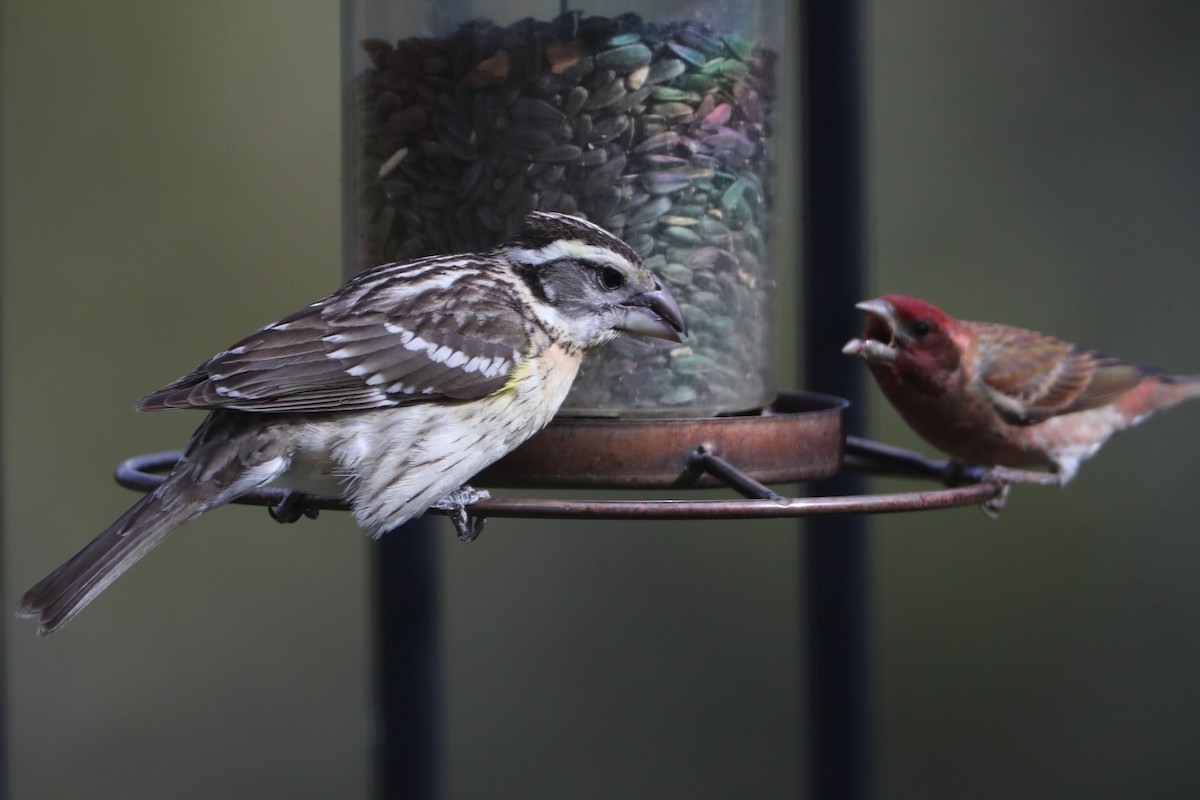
x=996, y=395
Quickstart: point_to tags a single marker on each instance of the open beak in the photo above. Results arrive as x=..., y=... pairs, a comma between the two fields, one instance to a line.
x=654, y=313
x=878, y=344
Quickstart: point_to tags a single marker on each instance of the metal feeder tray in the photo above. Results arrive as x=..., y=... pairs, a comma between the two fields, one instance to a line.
x=796, y=438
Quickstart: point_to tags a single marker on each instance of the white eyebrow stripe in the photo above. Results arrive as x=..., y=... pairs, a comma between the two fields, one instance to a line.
x=570, y=248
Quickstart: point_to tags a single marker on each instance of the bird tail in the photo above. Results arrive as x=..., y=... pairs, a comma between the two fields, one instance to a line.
x=62, y=594
x=1177, y=388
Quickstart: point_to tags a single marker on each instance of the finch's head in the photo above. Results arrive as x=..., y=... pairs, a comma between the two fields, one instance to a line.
x=906, y=334
x=590, y=285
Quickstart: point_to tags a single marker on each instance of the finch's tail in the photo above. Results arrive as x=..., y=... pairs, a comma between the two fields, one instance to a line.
x=62, y=594
x=1177, y=388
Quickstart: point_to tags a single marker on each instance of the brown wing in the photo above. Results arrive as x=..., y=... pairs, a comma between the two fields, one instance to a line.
x=396, y=335
x=1032, y=377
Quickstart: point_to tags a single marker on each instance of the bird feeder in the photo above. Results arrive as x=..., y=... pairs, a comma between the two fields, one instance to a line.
x=655, y=125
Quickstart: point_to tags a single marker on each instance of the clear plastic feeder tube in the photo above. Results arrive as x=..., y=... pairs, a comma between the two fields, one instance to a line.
x=653, y=120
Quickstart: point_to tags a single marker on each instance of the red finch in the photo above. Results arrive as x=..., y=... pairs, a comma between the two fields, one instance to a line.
x=1005, y=397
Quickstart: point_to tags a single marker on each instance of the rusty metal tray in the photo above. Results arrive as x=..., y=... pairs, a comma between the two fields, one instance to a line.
x=798, y=437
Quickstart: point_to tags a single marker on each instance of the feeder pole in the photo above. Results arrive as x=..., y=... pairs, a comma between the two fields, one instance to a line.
x=835, y=617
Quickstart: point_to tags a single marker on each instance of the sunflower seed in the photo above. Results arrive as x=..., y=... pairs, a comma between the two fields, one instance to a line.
x=664, y=70
x=718, y=116
x=696, y=82
x=676, y=273
x=629, y=100
x=728, y=139
x=673, y=111
x=664, y=182
x=559, y=154
x=536, y=110
x=605, y=91
x=623, y=39
x=608, y=128
x=681, y=235
x=393, y=161
x=738, y=46
x=624, y=58
x=688, y=54
x=678, y=396
x=575, y=100
x=661, y=141
x=692, y=364
x=663, y=161
x=592, y=158
x=649, y=211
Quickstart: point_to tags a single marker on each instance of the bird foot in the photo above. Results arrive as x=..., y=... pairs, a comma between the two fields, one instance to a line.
x=293, y=506
x=992, y=508
x=957, y=473
x=455, y=505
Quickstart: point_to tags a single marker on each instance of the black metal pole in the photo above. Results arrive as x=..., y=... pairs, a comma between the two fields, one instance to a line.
x=836, y=548
x=404, y=562
x=3, y=646
x=407, y=662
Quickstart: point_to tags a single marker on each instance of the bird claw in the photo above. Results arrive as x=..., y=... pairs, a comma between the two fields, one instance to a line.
x=958, y=473
x=1005, y=477
x=467, y=526
x=293, y=506
x=992, y=508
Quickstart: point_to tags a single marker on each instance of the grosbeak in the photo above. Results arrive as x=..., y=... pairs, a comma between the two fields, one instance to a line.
x=1003, y=397
x=391, y=392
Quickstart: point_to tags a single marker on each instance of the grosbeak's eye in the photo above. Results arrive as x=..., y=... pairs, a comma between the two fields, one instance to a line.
x=920, y=329
x=609, y=278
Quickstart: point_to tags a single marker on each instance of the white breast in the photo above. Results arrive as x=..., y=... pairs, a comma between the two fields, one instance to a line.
x=392, y=464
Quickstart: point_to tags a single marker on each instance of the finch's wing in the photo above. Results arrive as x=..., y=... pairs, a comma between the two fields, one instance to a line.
x=439, y=328
x=1033, y=377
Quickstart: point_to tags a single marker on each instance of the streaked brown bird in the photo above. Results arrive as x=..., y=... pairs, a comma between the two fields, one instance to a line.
x=391, y=392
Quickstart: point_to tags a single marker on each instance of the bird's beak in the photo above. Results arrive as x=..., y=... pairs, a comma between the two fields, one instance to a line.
x=878, y=345
x=654, y=313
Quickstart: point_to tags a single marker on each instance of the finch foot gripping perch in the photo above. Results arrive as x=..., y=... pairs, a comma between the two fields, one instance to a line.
x=1006, y=477
x=455, y=505
x=957, y=473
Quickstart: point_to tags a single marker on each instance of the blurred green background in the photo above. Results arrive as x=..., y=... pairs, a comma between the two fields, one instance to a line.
x=170, y=182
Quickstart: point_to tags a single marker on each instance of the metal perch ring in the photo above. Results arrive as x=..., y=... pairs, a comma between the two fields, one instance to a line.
x=700, y=463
